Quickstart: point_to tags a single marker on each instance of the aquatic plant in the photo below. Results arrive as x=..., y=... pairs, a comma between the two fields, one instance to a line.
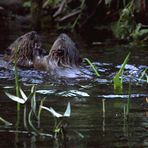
x=92, y=66
x=126, y=24
x=126, y=27
x=22, y=100
x=18, y=99
x=103, y=107
x=140, y=34
x=118, y=84
x=103, y=115
x=34, y=112
x=129, y=98
x=58, y=128
x=126, y=106
x=144, y=76
x=5, y=122
x=27, y=4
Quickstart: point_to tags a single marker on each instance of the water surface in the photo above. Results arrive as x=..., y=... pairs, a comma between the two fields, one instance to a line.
x=88, y=125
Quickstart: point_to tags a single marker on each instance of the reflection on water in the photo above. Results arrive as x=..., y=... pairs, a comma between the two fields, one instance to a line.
x=97, y=113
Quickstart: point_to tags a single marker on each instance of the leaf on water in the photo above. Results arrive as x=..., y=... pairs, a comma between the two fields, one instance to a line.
x=7, y=87
x=51, y=110
x=73, y=93
x=15, y=98
x=45, y=91
x=68, y=110
x=83, y=94
x=23, y=95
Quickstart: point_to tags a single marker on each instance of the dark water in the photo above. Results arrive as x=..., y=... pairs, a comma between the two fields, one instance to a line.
x=88, y=125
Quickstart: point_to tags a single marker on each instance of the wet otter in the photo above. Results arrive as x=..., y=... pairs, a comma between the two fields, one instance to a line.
x=22, y=48
x=62, y=55
x=27, y=52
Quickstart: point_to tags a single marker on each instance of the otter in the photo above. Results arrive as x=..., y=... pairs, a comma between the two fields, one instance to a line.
x=21, y=50
x=62, y=55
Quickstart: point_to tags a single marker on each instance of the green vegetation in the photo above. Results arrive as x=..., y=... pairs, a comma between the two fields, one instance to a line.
x=34, y=113
x=124, y=27
x=92, y=66
x=144, y=75
x=128, y=100
x=5, y=122
x=118, y=85
x=58, y=118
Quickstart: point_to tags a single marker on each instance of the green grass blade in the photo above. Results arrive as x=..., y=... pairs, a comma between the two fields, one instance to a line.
x=118, y=86
x=5, y=122
x=92, y=66
x=143, y=74
x=124, y=63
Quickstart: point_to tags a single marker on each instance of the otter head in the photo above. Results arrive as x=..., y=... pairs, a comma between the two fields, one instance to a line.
x=22, y=49
x=64, y=53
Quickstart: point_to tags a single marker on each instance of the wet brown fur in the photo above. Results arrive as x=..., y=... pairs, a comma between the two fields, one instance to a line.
x=27, y=52
x=63, y=53
x=21, y=50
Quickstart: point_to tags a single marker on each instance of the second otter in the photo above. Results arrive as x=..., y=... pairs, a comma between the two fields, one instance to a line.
x=63, y=54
